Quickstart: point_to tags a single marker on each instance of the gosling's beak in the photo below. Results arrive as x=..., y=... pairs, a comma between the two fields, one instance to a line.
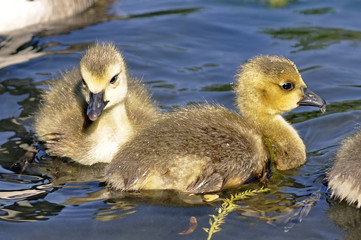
x=311, y=99
x=96, y=105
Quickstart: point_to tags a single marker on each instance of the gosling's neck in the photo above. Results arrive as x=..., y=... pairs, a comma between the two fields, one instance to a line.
x=109, y=132
x=117, y=120
x=141, y=110
x=288, y=147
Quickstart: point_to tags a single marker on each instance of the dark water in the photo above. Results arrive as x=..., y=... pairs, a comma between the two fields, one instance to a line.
x=186, y=52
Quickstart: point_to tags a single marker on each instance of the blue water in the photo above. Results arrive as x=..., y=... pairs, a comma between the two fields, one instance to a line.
x=186, y=52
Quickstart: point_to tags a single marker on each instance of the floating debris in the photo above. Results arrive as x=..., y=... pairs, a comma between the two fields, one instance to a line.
x=305, y=207
x=192, y=226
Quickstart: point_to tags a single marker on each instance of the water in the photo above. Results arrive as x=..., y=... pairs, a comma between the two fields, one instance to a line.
x=186, y=52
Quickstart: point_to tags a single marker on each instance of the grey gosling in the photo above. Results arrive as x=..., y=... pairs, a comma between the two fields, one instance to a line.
x=344, y=177
x=210, y=148
x=91, y=111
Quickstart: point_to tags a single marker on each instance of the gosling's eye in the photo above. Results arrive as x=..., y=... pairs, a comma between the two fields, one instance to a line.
x=114, y=79
x=288, y=86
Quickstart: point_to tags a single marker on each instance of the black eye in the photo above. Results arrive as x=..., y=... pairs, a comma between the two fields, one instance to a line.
x=114, y=79
x=288, y=86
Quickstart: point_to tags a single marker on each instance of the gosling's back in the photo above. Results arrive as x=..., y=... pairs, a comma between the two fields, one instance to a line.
x=195, y=150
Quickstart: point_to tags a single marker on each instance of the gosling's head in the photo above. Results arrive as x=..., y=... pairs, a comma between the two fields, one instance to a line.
x=104, y=74
x=272, y=85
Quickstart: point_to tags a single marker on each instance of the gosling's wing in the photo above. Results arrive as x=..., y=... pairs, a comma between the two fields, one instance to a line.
x=207, y=183
x=125, y=175
x=60, y=119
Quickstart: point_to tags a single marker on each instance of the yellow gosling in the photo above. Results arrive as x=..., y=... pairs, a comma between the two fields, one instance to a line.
x=210, y=148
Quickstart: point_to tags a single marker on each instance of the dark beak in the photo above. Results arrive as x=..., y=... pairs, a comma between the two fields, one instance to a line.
x=311, y=99
x=96, y=105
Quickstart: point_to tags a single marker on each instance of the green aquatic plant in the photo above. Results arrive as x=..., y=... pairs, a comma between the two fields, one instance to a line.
x=228, y=206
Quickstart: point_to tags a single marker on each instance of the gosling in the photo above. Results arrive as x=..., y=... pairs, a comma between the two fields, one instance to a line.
x=344, y=177
x=91, y=111
x=210, y=148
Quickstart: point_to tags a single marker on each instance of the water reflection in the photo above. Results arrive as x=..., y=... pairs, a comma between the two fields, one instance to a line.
x=24, y=92
x=23, y=198
x=183, y=11
x=311, y=38
x=57, y=176
x=48, y=176
x=117, y=210
x=336, y=107
x=267, y=3
x=346, y=217
x=24, y=44
x=317, y=11
x=29, y=211
x=218, y=88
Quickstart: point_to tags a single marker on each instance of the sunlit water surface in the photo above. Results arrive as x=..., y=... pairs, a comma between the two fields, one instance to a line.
x=186, y=52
